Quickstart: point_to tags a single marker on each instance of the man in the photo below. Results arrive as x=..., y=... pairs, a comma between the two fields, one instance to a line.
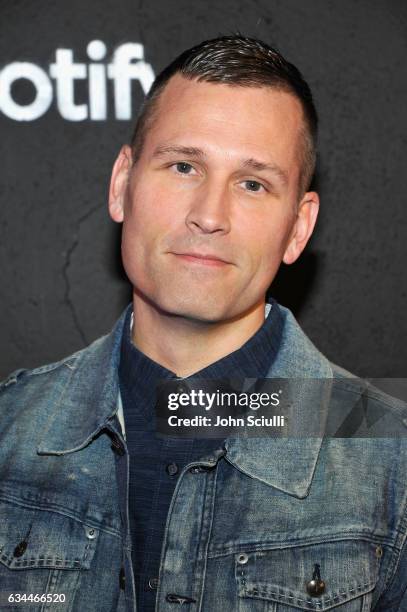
x=97, y=512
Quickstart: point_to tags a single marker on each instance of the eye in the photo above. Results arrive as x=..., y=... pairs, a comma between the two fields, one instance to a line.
x=183, y=167
x=254, y=186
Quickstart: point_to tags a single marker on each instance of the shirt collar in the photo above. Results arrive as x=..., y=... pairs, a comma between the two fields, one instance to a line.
x=138, y=374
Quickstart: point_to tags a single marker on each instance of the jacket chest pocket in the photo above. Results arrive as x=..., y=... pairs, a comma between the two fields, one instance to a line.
x=338, y=576
x=42, y=555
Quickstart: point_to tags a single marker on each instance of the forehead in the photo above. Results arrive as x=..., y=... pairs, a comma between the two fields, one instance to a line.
x=230, y=119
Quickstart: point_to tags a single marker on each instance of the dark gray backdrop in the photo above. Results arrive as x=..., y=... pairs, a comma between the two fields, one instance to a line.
x=62, y=283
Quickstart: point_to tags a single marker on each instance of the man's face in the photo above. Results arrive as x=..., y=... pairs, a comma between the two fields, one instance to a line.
x=210, y=208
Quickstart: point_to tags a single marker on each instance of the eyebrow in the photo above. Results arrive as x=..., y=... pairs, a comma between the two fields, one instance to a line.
x=163, y=150
x=254, y=164
x=250, y=163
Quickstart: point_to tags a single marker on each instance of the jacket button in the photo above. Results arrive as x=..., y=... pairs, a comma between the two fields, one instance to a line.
x=315, y=587
x=179, y=599
x=90, y=533
x=20, y=549
x=172, y=469
x=122, y=578
x=198, y=469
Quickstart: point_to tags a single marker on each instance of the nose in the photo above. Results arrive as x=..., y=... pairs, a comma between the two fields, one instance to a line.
x=209, y=212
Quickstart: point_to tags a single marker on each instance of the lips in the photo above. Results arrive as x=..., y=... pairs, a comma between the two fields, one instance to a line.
x=203, y=258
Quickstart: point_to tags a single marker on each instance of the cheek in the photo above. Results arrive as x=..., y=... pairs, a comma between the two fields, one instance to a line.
x=268, y=237
x=148, y=219
x=267, y=248
x=151, y=207
x=135, y=234
x=137, y=250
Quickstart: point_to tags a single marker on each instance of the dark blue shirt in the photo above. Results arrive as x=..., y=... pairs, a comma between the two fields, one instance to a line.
x=155, y=463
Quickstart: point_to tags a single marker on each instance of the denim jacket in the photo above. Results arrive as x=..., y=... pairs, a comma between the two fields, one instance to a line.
x=262, y=525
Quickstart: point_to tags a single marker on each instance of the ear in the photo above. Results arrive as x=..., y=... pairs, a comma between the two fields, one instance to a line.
x=118, y=183
x=303, y=227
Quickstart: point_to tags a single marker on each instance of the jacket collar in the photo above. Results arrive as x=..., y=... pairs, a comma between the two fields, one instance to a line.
x=88, y=404
x=288, y=464
x=87, y=401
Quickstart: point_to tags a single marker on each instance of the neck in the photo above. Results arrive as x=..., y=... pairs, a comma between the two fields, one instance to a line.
x=184, y=345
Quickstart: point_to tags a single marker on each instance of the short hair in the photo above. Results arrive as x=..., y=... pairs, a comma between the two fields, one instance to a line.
x=242, y=61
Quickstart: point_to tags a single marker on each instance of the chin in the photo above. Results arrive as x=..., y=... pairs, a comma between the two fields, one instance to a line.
x=204, y=310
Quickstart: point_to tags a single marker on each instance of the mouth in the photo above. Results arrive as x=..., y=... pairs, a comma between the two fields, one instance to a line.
x=203, y=259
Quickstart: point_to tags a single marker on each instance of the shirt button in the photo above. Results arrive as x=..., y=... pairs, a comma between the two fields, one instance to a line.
x=182, y=388
x=153, y=584
x=172, y=469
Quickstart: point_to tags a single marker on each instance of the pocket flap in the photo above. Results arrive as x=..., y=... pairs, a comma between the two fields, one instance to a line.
x=348, y=569
x=39, y=538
